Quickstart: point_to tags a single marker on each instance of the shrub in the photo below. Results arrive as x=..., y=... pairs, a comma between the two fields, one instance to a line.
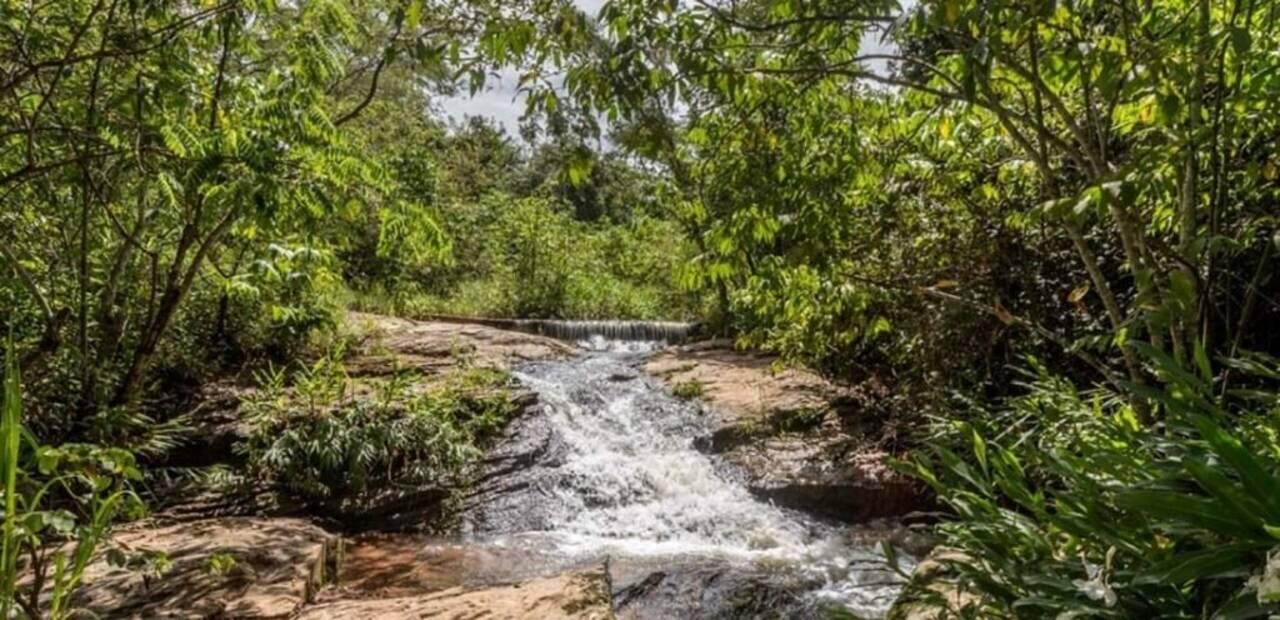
x=688, y=390
x=59, y=503
x=1064, y=505
x=527, y=257
x=322, y=441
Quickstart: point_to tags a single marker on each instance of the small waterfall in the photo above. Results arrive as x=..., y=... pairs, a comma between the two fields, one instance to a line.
x=578, y=331
x=666, y=332
x=608, y=467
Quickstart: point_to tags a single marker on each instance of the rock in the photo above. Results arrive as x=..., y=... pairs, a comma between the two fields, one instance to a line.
x=573, y=595
x=792, y=434
x=712, y=592
x=438, y=346
x=744, y=388
x=932, y=593
x=827, y=475
x=278, y=565
x=433, y=349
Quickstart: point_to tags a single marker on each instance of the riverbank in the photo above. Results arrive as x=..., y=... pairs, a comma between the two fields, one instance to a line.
x=612, y=515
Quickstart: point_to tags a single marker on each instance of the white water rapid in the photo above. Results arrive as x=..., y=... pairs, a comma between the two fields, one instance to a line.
x=607, y=467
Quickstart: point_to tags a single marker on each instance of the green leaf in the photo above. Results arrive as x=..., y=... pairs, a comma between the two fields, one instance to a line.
x=1181, y=511
x=1257, y=481
x=1227, y=561
x=1241, y=40
x=413, y=14
x=1248, y=509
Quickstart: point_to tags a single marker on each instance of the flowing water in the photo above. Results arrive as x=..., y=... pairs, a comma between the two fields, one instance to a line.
x=634, y=332
x=605, y=467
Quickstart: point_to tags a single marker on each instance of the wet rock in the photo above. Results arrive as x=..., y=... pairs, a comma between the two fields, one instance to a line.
x=273, y=567
x=709, y=592
x=792, y=434
x=574, y=595
x=828, y=476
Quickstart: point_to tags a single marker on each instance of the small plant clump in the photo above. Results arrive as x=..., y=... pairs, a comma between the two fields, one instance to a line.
x=688, y=390
x=325, y=438
x=58, y=504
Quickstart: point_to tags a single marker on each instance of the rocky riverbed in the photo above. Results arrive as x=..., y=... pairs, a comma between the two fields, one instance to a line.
x=606, y=496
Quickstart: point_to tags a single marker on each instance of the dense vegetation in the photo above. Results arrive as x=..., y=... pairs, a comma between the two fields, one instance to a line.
x=1093, y=183
x=940, y=199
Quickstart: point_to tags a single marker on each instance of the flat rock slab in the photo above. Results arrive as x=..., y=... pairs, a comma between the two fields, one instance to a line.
x=435, y=346
x=575, y=595
x=279, y=564
x=742, y=387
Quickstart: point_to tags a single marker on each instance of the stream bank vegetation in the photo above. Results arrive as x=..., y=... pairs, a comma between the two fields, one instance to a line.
x=340, y=444
x=1046, y=230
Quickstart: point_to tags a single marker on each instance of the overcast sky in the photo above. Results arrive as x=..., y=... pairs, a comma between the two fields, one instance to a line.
x=500, y=101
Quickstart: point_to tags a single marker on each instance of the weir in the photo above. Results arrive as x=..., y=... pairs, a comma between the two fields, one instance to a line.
x=648, y=331
x=669, y=332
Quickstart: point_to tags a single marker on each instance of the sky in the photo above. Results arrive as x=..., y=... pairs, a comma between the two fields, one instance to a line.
x=500, y=101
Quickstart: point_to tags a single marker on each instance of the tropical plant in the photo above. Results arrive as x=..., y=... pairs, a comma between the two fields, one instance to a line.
x=1064, y=503
x=322, y=442
x=59, y=504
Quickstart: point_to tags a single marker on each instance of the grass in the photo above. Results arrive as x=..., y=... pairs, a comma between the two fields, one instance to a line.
x=689, y=390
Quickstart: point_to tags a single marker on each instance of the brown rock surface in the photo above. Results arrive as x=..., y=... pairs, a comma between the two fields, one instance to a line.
x=574, y=595
x=279, y=564
x=792, y=432
x=437, y=346
x=742, y=387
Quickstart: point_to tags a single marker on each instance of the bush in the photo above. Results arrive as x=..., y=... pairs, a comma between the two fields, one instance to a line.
x=1064, y=505
x=322, y=441
x=688, y=390
x=528, y=257
x=59, y=503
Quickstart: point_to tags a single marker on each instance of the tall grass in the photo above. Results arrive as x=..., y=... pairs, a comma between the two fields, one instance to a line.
x=57, y=511
x=10, y=435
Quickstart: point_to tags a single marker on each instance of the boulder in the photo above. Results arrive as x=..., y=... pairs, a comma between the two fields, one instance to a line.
x=217, y=568
x=797, y=437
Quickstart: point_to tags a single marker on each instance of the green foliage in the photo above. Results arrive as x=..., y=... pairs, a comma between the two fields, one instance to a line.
x=221, y=564
x=59, y=503
x=688, y=390
x=1085, y=173
x=1064, y=504
x=322, y=441
x=526, y=257
x=181, y=183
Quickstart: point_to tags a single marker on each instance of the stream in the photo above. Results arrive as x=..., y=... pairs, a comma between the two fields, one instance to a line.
x=604, y=469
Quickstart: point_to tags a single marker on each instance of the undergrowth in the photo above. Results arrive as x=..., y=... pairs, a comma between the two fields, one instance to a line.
x=319, y=435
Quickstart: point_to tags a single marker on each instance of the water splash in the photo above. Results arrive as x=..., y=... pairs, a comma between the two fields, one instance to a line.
x=618, y=475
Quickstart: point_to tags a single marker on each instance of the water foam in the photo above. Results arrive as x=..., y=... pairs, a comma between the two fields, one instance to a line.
x=631, y=483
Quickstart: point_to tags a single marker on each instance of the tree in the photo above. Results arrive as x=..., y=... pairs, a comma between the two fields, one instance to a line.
x=1139, y=123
